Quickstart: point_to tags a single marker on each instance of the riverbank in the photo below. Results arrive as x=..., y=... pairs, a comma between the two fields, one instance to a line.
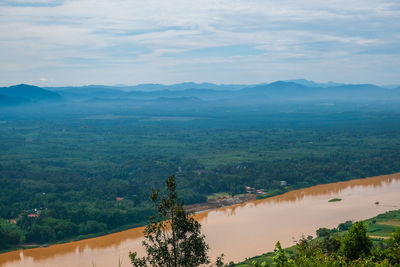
x=213, y=203
x=258, y=224
x=220, y=201
x=378, y=228
x=73, y=239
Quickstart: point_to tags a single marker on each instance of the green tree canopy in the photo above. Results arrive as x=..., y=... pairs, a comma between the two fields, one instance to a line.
x=356, y=243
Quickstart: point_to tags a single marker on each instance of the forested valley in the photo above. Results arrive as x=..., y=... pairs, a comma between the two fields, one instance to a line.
x=70, y=171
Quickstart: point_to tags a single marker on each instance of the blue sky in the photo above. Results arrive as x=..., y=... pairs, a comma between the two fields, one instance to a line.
x=78, y=42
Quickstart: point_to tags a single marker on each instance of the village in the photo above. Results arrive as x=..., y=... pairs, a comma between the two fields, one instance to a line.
x=218, y=202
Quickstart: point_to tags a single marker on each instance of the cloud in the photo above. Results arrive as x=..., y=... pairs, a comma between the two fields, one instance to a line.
x=31, y=3
x=75, y=40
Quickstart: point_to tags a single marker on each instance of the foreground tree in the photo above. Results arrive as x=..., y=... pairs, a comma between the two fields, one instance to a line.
x=172, y=238
x=280, y=259
x=393, y=251
x=356, y=243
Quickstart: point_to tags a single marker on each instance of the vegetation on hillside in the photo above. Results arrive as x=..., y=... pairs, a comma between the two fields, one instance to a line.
x=375, y=242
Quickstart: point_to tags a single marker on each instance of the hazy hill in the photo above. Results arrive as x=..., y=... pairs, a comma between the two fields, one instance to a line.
x=296, y=91
x=148, y=87
x=184, y=86
x=23, y=93
x=279, y=87
x=292, y=91
x=314, y=84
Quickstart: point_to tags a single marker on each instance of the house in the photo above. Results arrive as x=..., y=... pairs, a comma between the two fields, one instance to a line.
x=283, y=183
x=119, y=198
x=249, y=189
x=33, y=215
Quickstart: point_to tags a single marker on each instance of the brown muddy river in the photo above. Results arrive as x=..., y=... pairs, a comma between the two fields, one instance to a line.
x=239, y=231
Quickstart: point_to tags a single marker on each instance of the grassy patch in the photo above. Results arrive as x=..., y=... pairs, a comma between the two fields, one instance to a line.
x=383, y=224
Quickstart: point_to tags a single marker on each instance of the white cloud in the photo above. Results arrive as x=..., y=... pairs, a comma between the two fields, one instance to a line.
x=84, y=37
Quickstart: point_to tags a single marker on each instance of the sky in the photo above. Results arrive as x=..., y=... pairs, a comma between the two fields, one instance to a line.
x=81, y=42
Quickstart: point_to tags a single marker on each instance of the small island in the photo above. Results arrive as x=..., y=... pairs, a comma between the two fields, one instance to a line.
x=335, y=200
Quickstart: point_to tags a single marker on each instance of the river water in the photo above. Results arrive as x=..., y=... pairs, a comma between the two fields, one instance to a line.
x=239, y=231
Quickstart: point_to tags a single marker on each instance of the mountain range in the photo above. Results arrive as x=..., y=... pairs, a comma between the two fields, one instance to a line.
x=276, y=92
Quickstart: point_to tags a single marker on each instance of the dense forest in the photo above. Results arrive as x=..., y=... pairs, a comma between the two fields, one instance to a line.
x=73, y=170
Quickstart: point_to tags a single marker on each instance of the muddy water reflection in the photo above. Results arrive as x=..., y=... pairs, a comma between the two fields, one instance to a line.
x=239, y=231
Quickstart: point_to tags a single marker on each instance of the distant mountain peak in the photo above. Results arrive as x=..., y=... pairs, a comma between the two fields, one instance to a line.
x=23, y=86
x=314, y=84
x=284, y=83
x=29, y=93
